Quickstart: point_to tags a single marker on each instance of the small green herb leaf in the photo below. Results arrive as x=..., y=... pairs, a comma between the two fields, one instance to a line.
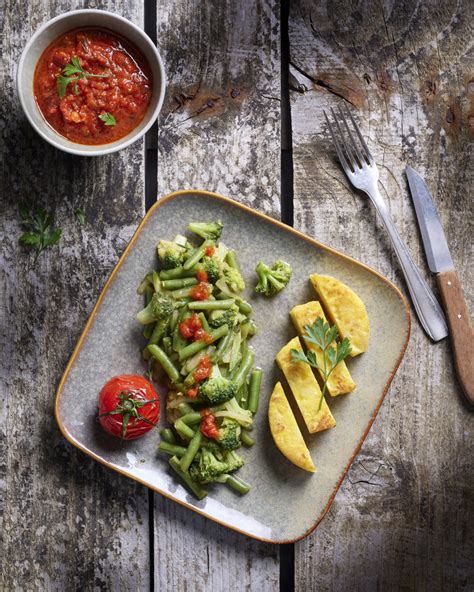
x=30, y=238
x=38, y=223
x=74, y=67
x=298, y=356
x=80, y=216
x=53, y=238
x=62, y=82
x=71, y=73
x=23, y=211
x=323, y=336
x=108, y=118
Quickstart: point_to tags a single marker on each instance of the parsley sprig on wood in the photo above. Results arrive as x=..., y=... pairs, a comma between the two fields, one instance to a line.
x=72, y=73
x=38, y=224
x=323, y=336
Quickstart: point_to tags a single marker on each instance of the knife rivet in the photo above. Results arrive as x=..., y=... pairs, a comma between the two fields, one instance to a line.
x=449, y=283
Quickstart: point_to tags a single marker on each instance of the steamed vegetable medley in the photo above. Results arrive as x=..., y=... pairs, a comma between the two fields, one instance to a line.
x=198, y=327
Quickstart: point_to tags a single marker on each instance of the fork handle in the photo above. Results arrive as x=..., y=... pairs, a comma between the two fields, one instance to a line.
x=427, y=307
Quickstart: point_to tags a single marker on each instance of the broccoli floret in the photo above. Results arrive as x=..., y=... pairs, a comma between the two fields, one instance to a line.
x=217, y=318
x=272, y=280
x=229, y=432
x=217, y=389
x=213, y=447
x=159, y=308
x=207, y=230
x=211, y=266
x=233, y=278
x=233, y=461
x=232, y=410
x=171, y=254
x=206, y=468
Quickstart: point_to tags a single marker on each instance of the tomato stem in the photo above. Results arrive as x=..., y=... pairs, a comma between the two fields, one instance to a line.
x=128, y=407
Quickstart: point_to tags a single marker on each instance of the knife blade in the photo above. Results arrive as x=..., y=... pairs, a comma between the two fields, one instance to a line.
x=434, y=241
x=440, y=262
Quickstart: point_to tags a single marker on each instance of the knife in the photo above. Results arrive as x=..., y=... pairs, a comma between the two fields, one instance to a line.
x=440, y=263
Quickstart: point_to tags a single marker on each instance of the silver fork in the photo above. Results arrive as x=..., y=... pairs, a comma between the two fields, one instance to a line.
x=362, y=172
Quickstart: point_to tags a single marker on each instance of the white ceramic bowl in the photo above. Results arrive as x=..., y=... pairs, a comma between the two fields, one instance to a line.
x=56, y=27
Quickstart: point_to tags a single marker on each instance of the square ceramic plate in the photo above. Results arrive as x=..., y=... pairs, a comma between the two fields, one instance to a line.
x=285, y=503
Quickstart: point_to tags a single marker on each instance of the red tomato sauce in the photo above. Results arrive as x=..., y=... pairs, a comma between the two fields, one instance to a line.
x=208, y=424
x=200, y=292
x=191, y=328
x=121, y=86
x=203, y=370
x=202, y=276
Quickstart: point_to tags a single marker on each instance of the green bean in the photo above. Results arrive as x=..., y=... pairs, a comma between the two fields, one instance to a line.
x=231, y=259
x=183, y=430
x=167, y=435
x=204, y=323
x=165, y=362
x=179, y=283
x=174, y=320
x=237, y=484
x=185, y=409
x=148, y=330
x=155, y=279
x=178, y=451
x=181, y=293
x=244, y=306
x=177, y=273
x=211, y=304
x=166, y=342
x=192, y=450
x=223, y=346
x=198, y=491
x=249, y=328
x=148, y=294
x=144, y=284
x=158, y=331
x=191, y=418
x=246, y=439
x=243, y=395
x=254, y=389
x=245, y=365
x=178, y=340
x=197, y=254
x=196, y=346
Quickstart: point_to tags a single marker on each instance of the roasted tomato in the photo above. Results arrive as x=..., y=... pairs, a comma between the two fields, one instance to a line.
x=128, y=406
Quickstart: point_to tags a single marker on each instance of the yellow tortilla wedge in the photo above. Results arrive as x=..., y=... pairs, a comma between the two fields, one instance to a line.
x=340, y=381
x=345, y=309
x=285, y=431
x=305, y=389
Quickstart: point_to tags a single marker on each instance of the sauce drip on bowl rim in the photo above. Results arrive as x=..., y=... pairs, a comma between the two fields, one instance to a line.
x=92, y=86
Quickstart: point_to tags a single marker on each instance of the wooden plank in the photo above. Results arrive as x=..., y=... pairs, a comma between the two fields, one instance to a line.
x=68, y=523
x=219, y=131
x=402, y=519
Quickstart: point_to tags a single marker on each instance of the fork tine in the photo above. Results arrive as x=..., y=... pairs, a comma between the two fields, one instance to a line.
x=348, y=152
x=368, y=154
x=358, y=156
x=342, y=158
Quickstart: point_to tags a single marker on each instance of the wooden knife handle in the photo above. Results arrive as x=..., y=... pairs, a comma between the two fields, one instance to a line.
x=462, y=334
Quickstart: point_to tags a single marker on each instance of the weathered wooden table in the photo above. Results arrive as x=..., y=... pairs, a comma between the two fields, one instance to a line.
x=403, y=519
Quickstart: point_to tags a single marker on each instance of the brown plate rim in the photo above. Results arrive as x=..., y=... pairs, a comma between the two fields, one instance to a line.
x=284, y=227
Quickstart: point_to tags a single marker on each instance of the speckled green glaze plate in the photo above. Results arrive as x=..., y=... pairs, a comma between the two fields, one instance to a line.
x=285, y=503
